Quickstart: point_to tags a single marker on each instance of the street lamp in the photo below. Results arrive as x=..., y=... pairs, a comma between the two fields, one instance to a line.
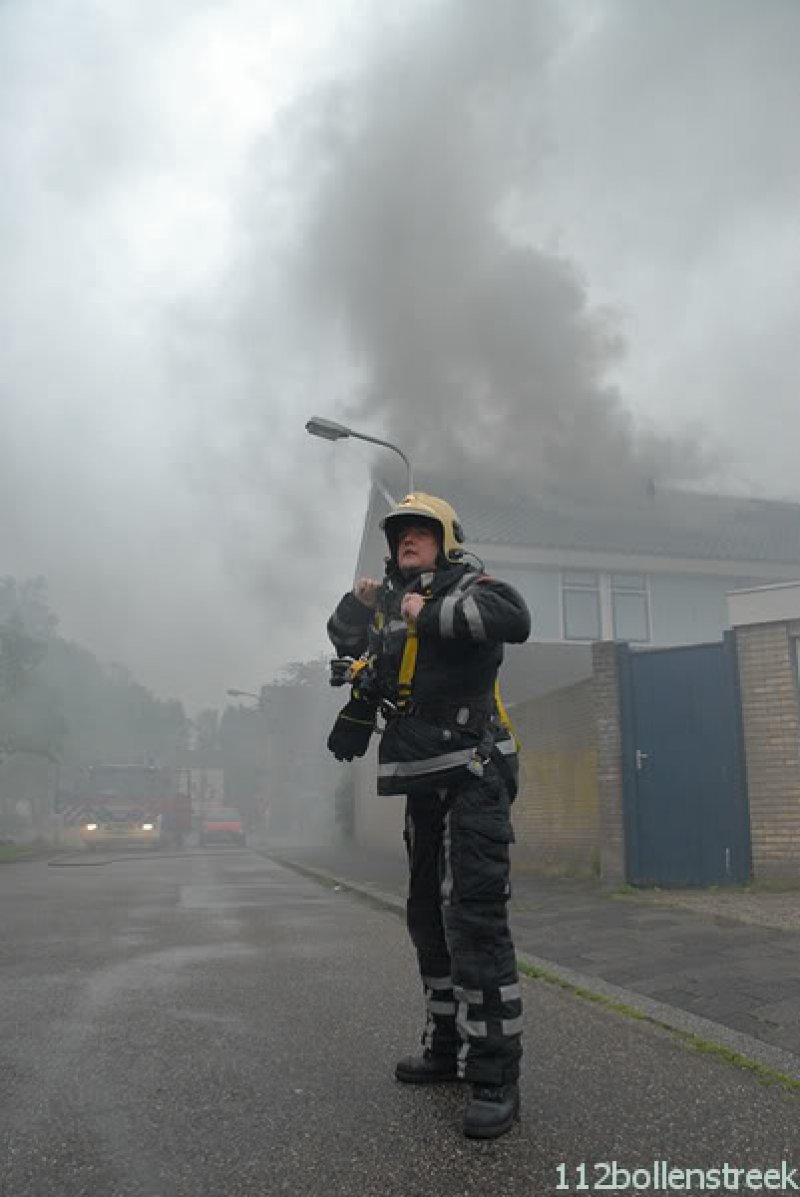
x=331, y=431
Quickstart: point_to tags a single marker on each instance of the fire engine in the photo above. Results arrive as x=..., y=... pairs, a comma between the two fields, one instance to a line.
x=135, y=805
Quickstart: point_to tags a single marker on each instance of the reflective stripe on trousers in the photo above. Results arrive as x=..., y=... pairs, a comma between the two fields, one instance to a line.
x=439, y=1004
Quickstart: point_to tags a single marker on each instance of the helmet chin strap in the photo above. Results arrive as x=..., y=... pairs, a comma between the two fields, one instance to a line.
x=441, y=562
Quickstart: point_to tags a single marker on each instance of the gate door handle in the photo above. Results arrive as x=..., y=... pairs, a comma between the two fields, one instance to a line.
x=641, y=757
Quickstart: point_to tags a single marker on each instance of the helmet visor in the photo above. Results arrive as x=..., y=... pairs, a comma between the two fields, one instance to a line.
x=395, y=525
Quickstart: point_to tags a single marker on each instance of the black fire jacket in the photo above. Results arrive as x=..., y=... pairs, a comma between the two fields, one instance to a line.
x=467, y=618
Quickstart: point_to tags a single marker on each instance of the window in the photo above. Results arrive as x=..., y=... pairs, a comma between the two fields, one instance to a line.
x=629, y=607
x=580, y=591
x=601, y=606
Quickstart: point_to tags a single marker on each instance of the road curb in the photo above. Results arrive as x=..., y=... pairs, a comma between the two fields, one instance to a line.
x=615, y=997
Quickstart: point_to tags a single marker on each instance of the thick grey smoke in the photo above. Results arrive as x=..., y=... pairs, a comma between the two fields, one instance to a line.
x=673, y=177
x=477, y=350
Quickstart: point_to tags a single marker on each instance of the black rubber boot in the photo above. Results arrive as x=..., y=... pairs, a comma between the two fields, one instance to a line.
x=426, y=1069
x=492, y=1111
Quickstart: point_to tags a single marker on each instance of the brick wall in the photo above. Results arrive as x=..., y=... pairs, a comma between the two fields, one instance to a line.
x=771, y=719
x=556, y=812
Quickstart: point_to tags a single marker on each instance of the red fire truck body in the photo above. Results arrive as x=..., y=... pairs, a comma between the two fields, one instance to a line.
x=136, y=805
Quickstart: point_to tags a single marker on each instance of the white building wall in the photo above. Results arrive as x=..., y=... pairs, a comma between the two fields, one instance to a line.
x=765, y=604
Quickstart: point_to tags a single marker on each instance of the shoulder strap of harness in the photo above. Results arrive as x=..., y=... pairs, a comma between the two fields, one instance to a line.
x=408, y=665
x=504, y=716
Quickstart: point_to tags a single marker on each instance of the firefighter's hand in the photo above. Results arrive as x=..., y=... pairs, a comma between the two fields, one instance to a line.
x=411, y=606
x=366, y=591
x=351, y=732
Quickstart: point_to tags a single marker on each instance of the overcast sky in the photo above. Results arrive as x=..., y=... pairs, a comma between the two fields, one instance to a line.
x=566, y=231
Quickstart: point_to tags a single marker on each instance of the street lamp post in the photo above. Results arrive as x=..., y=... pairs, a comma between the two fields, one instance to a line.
x=329, y=430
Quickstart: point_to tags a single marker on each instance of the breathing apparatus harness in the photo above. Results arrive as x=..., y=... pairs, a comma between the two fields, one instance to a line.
x=433, y=753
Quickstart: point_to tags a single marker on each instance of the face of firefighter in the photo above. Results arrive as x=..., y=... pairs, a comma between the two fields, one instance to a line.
x=417, y=548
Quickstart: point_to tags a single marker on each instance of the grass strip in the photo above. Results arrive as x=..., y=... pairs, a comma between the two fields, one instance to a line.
x=9, y=853
x=762, y=1072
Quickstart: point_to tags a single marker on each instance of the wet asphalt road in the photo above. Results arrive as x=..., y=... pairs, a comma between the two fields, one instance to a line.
x=214, y=1024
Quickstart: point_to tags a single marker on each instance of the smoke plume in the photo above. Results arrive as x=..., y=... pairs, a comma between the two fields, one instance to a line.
x=477, y=351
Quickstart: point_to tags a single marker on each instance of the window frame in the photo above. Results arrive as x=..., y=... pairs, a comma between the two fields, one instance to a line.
x=595, y=589
x=638, y=592
x=605, y=591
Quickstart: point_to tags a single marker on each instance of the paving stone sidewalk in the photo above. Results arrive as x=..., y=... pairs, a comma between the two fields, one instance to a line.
x=729, y=957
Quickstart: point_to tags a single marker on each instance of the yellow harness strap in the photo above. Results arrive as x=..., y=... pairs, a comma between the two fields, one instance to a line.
x=408, y=667
x=405, y=683
x=503, y=713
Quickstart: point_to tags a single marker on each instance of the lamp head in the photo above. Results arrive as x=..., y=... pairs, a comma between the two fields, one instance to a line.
x=329, y=430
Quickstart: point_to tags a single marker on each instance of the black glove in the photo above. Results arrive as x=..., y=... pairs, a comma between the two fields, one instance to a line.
x=352, y=729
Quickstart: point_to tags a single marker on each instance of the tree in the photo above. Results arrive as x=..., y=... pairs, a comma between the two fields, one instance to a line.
x=19, y=656
x=28, y=603
x=59, y=703
x=57, y=699
x=304, y=673
x=109, y=715
x=207, y=731
x=30, y=719
x=31, y=725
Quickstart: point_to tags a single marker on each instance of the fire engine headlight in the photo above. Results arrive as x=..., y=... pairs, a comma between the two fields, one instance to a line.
x=91, y=827
x=148, y=826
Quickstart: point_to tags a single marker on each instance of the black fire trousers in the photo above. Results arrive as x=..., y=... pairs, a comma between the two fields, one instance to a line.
x=458, y=852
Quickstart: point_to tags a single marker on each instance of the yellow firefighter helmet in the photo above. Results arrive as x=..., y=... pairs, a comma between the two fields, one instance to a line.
x=425, y=509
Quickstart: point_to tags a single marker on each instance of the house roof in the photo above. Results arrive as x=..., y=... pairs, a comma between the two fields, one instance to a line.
x=664, y=524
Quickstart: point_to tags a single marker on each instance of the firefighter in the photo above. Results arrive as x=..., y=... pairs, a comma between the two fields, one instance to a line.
x=429, y=638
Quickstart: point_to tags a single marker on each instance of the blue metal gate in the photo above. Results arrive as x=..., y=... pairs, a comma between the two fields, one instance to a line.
x=685, y=803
